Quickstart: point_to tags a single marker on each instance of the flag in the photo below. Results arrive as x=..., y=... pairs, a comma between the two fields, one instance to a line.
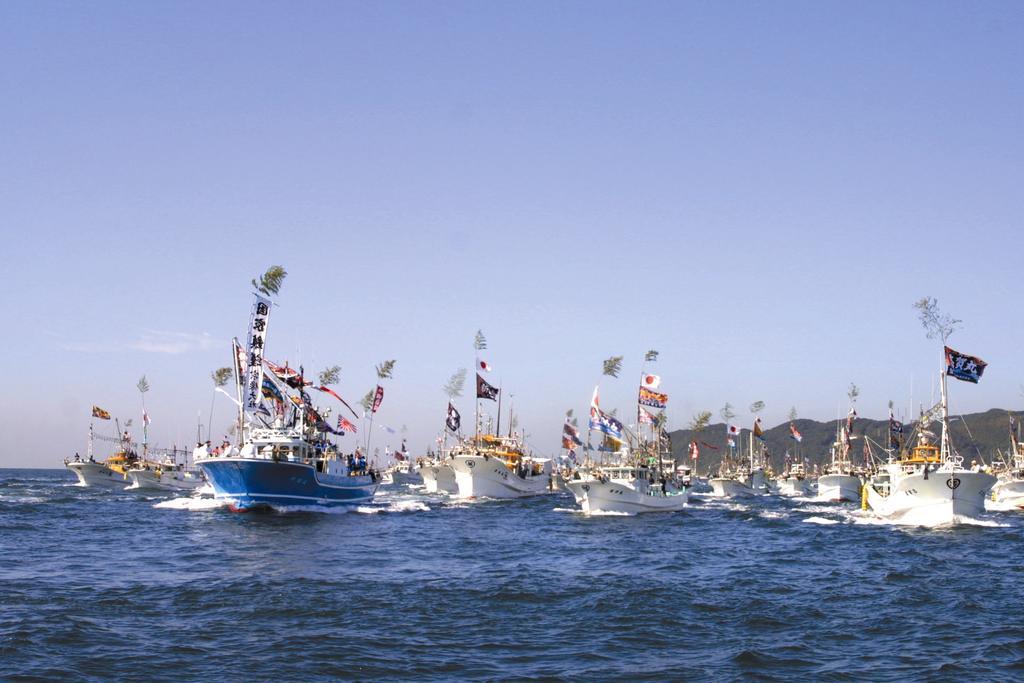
x=454, y=420
x=567, y=443
x=485, y=390
x=652, y=398
x=733, y=430
x=377, y=398
x=730, y=442
x=758, y=432
x=606, y=424
x=707, y=445
x=100, y=413
x=895, y=432
x=345, y=425
x=797, y=436
x=595, y=402
x=145, y=418
x=694, y=450
x=964, y=367
x=645, y=417
x=650, y=381
x=270, y=390
x=484, y=365
x=400, y=455
x=256, y=340
x=571, y=434
x=849, y=420
x=387, y=429
x=323, y=426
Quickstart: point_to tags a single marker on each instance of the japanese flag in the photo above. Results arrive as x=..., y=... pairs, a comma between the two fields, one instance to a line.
x=734, y=430
x=650, y=381
x=485, y=366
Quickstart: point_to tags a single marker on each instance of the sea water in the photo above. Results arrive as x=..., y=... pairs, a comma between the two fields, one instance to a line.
x=100, y=585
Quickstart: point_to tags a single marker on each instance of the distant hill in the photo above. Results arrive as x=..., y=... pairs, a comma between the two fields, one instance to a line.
x=976, y=436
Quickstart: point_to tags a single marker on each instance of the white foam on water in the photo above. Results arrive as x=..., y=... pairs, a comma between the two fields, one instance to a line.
x=566, y=510
x=772, y=514
x=396, y=506
x=1011, y=505
x=821, y=520
x=609, y=513
x=191, y=504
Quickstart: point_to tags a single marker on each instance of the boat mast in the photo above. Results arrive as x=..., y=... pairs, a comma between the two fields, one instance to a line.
x=90, y=439
x=944, y=446
x=236, y=362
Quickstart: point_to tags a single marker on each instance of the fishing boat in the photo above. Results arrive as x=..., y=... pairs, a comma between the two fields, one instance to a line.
x=631, y=482
x=628, y=486
x=281, y=465
x=494, y=466
x=794, y=480
x=740, y=478
x=402, y=472
x=1009, y=486
x=166, y=475
x=291, y=461
x=438, y=475
x=839, y=481
x=110, y=473
x=927, y=484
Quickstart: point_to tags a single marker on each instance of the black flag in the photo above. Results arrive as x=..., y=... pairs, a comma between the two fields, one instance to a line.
x=485, y=390
x=454, y=420
x=964, y=367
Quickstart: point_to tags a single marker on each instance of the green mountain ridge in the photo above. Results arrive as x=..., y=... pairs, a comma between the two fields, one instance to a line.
x=978, y=436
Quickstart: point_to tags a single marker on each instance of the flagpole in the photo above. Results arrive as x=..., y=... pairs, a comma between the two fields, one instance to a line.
x=497, y=430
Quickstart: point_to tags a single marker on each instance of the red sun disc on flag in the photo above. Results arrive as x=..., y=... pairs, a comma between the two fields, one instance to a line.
x=648, y=379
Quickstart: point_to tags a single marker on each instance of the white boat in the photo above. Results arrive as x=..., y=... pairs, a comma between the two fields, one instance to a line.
x=928, y=486
x=499, y=467
x=628, y=489
x=97, y=473
x=403, y=473
x=167, y=475
x=840, y=481
x=1009, y=487
x=835, y=487
x=794, y=481
x=739, y=479
x=437, y=475
x=109, y=473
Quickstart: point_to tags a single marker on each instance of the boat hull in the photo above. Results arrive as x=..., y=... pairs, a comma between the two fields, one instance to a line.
x=487, y=477
x=944, y=498
x=835, y=488
x=438, y=478
x=254, y=482
x=794, y=486
x=165, y=481
x=400, y=478
x=729, y=488
x=97, y=474
x=596, y=497
x=1009, y=491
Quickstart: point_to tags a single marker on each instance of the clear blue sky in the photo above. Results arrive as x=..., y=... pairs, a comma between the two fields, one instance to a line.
x=760, y=191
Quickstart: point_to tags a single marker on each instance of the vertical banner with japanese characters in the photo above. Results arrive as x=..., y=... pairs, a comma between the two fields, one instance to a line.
x=252, y=391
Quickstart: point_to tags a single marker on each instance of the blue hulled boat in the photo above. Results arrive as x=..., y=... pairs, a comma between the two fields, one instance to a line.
x=278, y=466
